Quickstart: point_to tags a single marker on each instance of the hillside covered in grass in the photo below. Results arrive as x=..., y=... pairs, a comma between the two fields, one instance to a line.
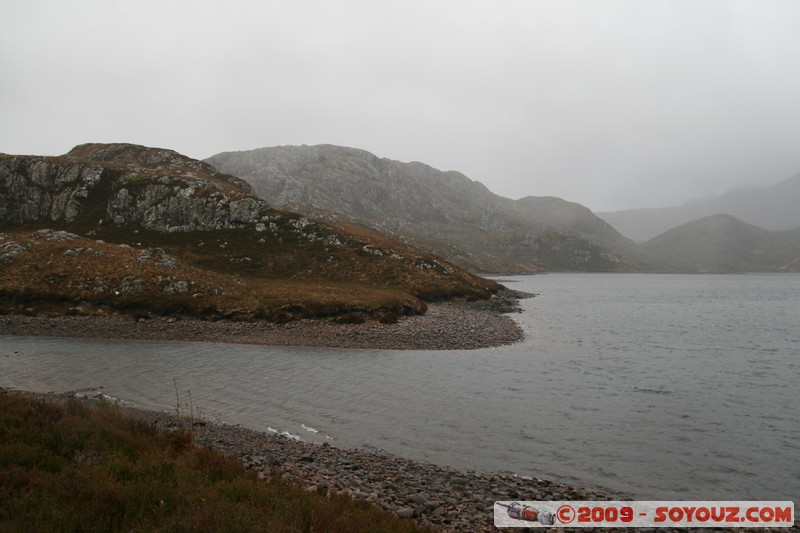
x=118, y=227
x=76, y=467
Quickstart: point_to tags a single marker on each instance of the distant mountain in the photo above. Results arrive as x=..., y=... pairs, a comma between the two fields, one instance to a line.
x=722, y=243
x=134, y=229
x=772, y=208
x=444, y=212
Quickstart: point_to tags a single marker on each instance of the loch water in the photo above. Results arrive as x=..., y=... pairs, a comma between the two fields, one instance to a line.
x=656, y=386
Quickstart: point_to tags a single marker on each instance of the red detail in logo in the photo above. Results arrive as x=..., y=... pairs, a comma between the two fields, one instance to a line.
x=565, y=514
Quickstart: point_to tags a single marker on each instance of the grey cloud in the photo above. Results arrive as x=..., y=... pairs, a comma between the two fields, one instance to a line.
x=614, y=104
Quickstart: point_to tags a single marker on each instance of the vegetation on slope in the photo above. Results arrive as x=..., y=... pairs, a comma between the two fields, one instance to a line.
x=141, y=230
x=80, y=468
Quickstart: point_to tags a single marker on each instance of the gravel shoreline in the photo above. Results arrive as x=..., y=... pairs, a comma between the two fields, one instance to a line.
x=453, y=500
x=450, y=499
x=445, y=326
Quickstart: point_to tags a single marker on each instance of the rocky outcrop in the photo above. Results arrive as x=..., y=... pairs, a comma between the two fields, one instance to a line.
x=173, y=204
x=39, y=188
x=125, y=184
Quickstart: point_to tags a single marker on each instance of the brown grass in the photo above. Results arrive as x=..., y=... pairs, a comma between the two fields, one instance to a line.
x=82, y=468
x=232, y=274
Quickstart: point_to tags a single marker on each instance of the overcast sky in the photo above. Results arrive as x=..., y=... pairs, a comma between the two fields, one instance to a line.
x=610, y=103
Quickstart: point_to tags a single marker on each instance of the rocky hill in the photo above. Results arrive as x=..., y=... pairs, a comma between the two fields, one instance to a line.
x=444, y=212
x=722, y=243
x=123, y=227
x=774, y=208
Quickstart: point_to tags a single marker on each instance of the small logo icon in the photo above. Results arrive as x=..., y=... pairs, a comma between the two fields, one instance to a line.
x=565, y=514
x=518, y=511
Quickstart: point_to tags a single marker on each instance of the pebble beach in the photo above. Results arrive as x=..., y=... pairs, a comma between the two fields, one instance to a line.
x=452, y=500
x=445, y=326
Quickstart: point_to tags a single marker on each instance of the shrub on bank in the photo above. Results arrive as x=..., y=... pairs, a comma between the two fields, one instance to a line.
x=82, y=468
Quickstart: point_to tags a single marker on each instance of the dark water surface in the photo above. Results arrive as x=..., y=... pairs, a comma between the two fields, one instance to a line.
x=660, y=386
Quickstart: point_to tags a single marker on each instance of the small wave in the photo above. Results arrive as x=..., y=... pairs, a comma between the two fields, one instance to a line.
x=112, y=399
x=653, y=391
x=96, y=393
x=284, y=434
x=309, y=429
x=583, y=408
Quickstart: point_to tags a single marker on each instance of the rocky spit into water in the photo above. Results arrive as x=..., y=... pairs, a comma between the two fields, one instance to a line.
x=445, y=326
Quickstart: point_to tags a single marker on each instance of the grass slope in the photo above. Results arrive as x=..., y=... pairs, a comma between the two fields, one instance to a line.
x=80, y=468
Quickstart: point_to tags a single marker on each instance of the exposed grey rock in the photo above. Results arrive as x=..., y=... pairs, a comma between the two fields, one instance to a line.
x=35, y=188
x=405, y=512
x=157, y=189
x=176, y=205
x=158, y=256
x=131, y=284
x=177, y=287
x=9, y=250
x=58, y=236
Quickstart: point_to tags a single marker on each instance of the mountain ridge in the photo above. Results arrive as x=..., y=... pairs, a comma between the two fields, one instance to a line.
x=445, y=211
x=773, y=207
x=723, y=243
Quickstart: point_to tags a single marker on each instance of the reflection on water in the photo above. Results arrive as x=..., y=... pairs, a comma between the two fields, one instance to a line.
x=658, y=386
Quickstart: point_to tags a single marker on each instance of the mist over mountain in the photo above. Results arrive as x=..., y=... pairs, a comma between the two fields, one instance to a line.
x=443, y=211
x=722, y=243
x=775, y=207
